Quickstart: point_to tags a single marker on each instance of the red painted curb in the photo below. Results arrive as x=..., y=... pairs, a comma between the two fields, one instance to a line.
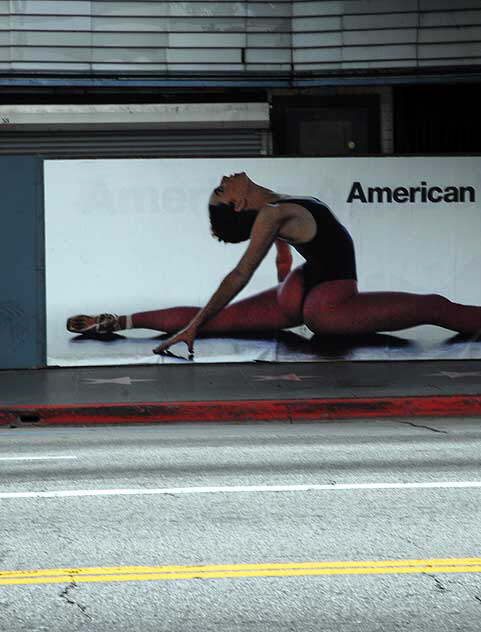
x=275, y=410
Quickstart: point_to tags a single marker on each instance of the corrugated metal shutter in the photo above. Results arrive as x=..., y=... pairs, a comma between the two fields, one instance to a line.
x=135, y=143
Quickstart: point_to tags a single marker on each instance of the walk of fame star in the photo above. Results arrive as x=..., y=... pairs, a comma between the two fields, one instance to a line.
x=288, y=377
x=126, y=381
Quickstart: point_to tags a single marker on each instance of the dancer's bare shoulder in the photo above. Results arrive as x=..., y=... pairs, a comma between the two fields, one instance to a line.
x=297, y=224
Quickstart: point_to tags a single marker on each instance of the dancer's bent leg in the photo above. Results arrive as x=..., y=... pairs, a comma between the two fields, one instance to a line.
x=274, y=309
x=337, y=307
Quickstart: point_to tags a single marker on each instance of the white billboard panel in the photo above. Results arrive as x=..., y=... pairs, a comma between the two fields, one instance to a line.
x=126, y=236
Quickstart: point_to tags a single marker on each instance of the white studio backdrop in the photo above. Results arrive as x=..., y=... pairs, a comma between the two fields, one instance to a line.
x=132, y=235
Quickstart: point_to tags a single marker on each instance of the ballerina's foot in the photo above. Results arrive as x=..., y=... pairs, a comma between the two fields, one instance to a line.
x=96, y=325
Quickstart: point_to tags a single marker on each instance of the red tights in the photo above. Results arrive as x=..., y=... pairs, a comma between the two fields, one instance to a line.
x=332, y=307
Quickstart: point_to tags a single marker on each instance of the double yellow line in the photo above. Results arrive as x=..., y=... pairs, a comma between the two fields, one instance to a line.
x=234, y=571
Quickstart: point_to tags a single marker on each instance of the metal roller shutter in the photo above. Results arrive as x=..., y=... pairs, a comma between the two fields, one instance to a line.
x=135, y=143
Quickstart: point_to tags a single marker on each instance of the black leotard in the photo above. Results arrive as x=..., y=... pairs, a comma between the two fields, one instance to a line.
x=330, y=253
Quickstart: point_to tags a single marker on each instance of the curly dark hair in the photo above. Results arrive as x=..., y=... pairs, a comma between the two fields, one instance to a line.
x=230, y=226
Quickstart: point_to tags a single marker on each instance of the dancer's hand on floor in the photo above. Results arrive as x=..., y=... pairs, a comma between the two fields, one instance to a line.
x=186, y=335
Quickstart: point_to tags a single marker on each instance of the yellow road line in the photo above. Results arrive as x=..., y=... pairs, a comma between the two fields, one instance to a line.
x=200, y=568
x=143, y=573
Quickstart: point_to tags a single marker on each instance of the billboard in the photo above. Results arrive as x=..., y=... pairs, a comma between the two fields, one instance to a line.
x=129, y=236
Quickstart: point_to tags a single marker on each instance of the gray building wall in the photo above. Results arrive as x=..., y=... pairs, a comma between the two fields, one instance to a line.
x=91, y=36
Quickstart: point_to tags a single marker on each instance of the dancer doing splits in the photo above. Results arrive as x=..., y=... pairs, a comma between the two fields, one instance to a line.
x=322, y=293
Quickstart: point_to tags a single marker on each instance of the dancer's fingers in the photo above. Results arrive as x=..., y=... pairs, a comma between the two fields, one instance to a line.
x=162, y=348
x=171, y=354
x=181, y=337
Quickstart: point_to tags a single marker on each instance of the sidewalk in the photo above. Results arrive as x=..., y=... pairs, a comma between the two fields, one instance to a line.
x=235, y=392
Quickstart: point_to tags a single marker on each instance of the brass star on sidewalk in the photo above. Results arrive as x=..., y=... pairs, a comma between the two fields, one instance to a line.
x=288, y=377
x=126, y=381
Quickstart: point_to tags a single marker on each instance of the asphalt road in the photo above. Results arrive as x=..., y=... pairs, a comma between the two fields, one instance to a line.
x=346, y=526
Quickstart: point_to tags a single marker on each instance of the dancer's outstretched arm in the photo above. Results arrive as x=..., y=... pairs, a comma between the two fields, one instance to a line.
x=263, y=234
x=283, y=259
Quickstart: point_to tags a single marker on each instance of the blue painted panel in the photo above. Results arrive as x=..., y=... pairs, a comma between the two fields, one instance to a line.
x=22, y=276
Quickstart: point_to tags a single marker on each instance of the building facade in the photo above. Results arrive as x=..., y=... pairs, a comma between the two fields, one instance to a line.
x=290, y=77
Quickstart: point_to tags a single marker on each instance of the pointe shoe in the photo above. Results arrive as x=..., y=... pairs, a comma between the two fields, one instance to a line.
x=98, y=325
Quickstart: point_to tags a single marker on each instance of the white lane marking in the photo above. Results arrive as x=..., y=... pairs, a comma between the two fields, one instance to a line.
x=237, y=489
x=33, y=458
x=456, y=374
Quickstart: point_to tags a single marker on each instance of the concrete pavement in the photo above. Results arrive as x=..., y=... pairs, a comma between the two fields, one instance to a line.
x=236, y=391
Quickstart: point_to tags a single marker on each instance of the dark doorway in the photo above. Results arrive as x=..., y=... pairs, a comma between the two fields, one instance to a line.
x=326, y=126
x=442, y=119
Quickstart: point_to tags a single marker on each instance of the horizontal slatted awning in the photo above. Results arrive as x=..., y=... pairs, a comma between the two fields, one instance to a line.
x=145, y=37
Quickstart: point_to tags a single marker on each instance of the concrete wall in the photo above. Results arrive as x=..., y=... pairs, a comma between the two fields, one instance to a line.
x=91, y=36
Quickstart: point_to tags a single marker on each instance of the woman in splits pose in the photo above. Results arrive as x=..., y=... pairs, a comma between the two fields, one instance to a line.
x=322, y=293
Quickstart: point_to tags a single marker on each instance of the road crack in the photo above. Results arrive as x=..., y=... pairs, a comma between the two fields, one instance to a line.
x=410, y=423
x=65, y=595
x=438, y=583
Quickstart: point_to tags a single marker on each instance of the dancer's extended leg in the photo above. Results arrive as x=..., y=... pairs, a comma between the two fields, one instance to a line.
x=256, y=313
x=337, y=307
x=274, y=309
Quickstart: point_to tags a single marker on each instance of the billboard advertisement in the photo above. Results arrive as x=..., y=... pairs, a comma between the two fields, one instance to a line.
x=391, y=244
